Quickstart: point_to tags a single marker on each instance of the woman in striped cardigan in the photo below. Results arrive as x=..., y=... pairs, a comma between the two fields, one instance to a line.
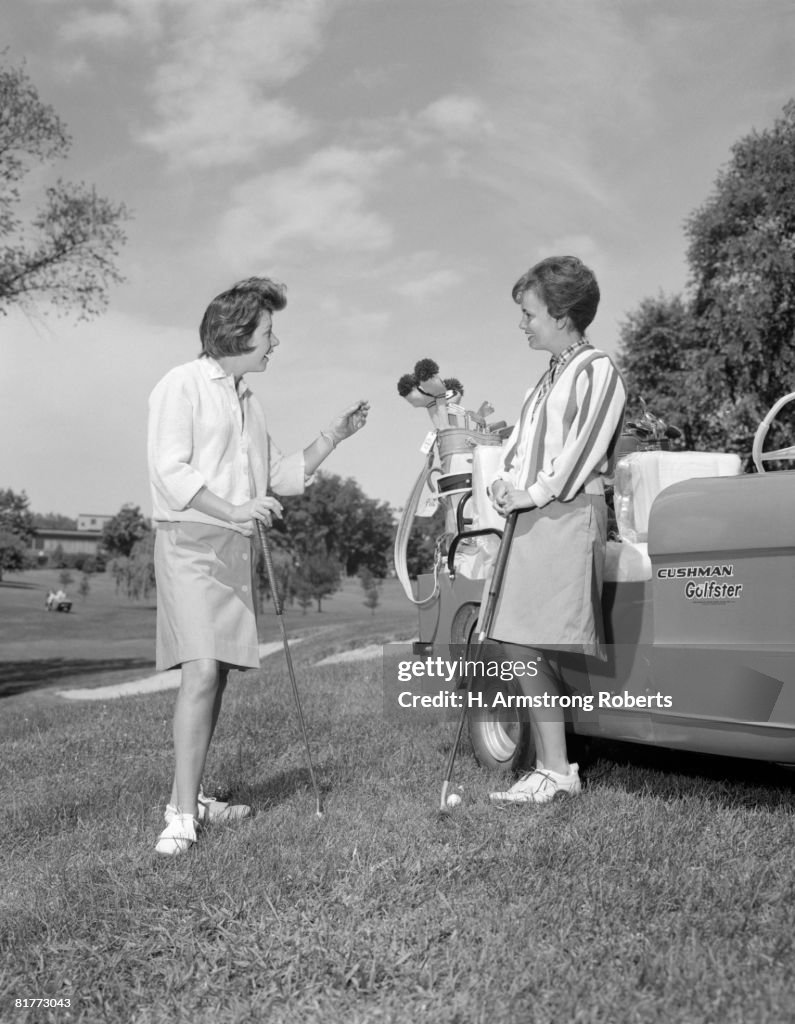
x=560, y=453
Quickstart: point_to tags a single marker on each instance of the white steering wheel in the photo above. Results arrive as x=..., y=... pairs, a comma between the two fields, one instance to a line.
x=760, y=457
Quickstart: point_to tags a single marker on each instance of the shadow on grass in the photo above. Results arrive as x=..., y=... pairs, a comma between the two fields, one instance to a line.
x=22, y=676
x=279, y=788
x=732, y=781
x=10, y=585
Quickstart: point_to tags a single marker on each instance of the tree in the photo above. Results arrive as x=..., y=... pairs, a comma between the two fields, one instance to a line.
x=15, y=514
x=302, y=591
x=53, y=521
x=370, y=587
x=657, y=359
x=67, y=253
x=282, y=562
x=14, y=556
x=742, y=260
x=141, y=568
x=318, y=575
x=736, y=327
x=135, y=573
x=118, y=570
x=336, y=516
x=369, y=531
x=16, y=531
x=124, y=530
x=421, y=546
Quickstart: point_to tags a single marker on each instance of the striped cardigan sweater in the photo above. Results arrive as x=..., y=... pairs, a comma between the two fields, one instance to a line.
x=566, y=442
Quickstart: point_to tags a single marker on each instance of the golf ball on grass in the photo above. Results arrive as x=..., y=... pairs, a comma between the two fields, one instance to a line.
x=453, y=800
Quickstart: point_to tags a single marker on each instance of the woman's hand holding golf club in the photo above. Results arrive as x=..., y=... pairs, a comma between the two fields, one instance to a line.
x=244, y=514
x=262, y=509
x=507, y=499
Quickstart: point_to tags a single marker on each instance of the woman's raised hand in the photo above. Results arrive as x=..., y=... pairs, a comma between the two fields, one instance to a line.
x=349, y=421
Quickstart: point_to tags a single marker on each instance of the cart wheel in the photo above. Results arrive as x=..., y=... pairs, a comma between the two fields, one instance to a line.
x=501, y=737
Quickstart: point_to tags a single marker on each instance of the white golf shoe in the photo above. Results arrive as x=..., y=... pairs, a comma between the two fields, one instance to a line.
x=178, y=836
x=540, y=786
x=211, y=811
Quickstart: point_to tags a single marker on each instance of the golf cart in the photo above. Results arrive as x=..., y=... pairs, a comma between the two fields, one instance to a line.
x=57, y=602
x=698, y=603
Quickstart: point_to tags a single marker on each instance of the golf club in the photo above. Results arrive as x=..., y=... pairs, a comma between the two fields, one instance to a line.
x=488, y=614
x=277, y=604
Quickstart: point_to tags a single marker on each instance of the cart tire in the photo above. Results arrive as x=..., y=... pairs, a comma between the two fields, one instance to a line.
x=501, y=737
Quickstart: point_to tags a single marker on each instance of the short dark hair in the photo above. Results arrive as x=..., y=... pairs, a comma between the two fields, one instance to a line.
x=233, y=316
x=566, y=287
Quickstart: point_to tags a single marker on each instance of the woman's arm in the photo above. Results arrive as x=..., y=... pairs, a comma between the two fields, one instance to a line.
x=342, y=427
x=577, y=429
x=579, y=432
x=211, y=504
x=170, y=444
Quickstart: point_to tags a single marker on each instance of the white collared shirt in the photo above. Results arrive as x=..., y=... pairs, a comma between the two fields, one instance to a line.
x=206, y=432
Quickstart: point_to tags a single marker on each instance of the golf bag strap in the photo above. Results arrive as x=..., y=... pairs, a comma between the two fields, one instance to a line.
x=404, y=532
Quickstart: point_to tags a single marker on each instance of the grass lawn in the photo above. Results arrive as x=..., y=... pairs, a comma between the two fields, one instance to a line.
x=663, y=894
x=106, y=638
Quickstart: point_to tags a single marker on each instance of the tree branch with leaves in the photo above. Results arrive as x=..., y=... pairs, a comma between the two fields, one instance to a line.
x=67, y=254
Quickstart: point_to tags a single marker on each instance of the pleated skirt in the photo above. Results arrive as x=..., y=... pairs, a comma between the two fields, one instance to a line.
x=551, y=591
x=205, y=596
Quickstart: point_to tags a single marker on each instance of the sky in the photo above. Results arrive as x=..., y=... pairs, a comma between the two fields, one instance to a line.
x=397, y=163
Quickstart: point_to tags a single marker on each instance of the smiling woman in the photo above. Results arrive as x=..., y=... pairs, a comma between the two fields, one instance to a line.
x=212, y=465
x=561, y=449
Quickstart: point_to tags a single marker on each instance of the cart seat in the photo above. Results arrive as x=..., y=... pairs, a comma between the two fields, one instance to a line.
x=640, y=476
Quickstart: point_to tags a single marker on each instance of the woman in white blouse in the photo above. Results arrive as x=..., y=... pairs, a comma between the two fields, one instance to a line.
x=212, y=466
x=557, y=458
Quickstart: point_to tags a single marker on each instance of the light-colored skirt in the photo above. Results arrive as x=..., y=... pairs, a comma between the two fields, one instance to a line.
x=205, y=606
x=551, y=592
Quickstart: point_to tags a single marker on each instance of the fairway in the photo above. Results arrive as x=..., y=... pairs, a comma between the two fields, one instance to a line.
x=107, y=638
x=664, y=893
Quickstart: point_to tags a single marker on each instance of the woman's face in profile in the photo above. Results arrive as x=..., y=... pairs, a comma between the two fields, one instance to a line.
x=540, y=328
x=263, y=342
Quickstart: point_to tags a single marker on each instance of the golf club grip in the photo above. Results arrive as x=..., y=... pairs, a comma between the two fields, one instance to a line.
x=266, y=554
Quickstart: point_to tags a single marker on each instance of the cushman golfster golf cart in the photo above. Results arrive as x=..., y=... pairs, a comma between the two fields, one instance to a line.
x=699, y=601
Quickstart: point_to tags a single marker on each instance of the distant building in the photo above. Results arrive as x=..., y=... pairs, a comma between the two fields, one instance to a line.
x=85, y=540
x=87, y=522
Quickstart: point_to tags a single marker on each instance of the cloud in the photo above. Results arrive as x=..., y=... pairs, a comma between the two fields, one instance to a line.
x=456, y=117
x=102, y=27
x=227, y=124
x=213, y=94
x=216, y=69
x=320, y=204
x=115, y=22
x=584, y=246
x=433, y=283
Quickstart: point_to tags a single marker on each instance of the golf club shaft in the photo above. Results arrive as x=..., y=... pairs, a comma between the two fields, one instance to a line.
x=488, y=614
x=277, y=604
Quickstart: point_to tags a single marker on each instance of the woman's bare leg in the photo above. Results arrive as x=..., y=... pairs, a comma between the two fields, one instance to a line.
x=195, y=715
x=548, y=725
